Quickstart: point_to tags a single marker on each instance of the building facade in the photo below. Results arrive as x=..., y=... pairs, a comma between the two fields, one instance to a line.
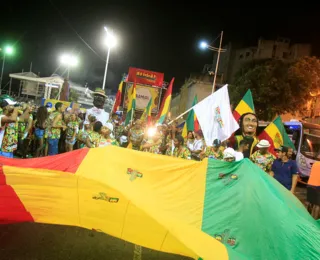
x=198, y=84
x=235, y=57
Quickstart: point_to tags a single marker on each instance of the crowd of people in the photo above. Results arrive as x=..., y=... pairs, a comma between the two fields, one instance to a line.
x=29, y=131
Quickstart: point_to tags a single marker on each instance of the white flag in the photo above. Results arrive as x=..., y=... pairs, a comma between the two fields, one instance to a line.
x=215, y=116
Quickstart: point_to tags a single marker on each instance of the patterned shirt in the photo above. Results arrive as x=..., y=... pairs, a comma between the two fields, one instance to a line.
x=211, y=153
x=10, y=139
x=109, y=141
x=94, y=138
x=72, y=127
x=183, y=153
x=22, y=128
x=54, y=133
x=169, y=145
x=136, y=137
x=264, y=161
x=155, y=148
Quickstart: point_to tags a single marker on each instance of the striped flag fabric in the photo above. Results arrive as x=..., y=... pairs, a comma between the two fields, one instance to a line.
x=206, y=209
x=146, y=115
x=277, y=136
x=117, y=101
x=245, y=106
x=165, y=104
x=191, y=124
x=132, y=104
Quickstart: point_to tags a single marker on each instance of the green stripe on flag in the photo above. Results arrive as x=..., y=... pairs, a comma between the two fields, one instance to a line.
x=190, y=118
x=286, y=139
x=128, y=117
x=162, y=119
x=255, y=216
x=248, y=99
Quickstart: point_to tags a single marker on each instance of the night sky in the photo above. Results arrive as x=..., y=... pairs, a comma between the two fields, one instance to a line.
x=159, y=38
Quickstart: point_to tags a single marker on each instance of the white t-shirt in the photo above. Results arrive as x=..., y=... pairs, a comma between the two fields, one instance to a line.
x=100, y=115
x=239, y=156
x=197, y=145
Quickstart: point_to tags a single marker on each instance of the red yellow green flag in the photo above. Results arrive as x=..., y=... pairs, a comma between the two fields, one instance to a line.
x=146, y=116
x=191, y=123
x=165, y=105
x=132, y=104
x=277, y=136
x=245, y=106
x=117, y=101
x=195, y=209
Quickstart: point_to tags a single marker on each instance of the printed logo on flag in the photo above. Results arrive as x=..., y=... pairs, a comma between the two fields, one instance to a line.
x=217, y=117
x=225, y=238
x=227, y=178
x=103, y=196
x=277, y=141
x=134, y=174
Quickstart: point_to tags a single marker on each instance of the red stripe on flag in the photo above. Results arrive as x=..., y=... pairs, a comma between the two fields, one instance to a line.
x=65, y=162
x=236, y=115
x=265, y=136
x=117, y=102
x=196, y=125
x=12, y=209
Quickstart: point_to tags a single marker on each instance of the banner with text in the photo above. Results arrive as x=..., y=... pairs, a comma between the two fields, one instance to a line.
x=144, y=94
x=146, y=77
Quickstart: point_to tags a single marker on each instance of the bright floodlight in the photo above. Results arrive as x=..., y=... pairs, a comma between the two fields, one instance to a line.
x=203, y=45
x=152, y=131
x=110, y=39
x=69, y=60
x=8, y=50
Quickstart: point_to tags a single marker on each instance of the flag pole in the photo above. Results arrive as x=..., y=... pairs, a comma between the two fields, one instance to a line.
x=181, y=115
x=217, y=64
x=185, y=112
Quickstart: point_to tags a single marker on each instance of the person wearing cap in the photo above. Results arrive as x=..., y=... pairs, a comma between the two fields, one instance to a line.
x=229, y=155
x=99, y=98
x=9, y=126
x=263, y=158
x=56, y=124
x=284, y=170
x=123, y=141
x=106, y=138
x=214, y=151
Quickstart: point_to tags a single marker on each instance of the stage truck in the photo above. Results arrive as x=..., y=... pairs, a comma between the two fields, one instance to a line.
x=306, y=139
x=149, y=85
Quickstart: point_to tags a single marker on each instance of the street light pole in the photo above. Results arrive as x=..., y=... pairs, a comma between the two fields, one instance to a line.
x=217, y=64
x=68, y=72
x=106, y=69
x=4, y=59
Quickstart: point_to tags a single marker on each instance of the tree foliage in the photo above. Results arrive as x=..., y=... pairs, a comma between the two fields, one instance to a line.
x=278, y=87
x=73, y=96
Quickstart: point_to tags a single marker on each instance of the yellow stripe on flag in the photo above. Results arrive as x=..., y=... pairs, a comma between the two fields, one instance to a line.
x=273, y=131
x=137, y=218
x=136, y=204
x=50, y=196
x=185, y=131
x=243, y=108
